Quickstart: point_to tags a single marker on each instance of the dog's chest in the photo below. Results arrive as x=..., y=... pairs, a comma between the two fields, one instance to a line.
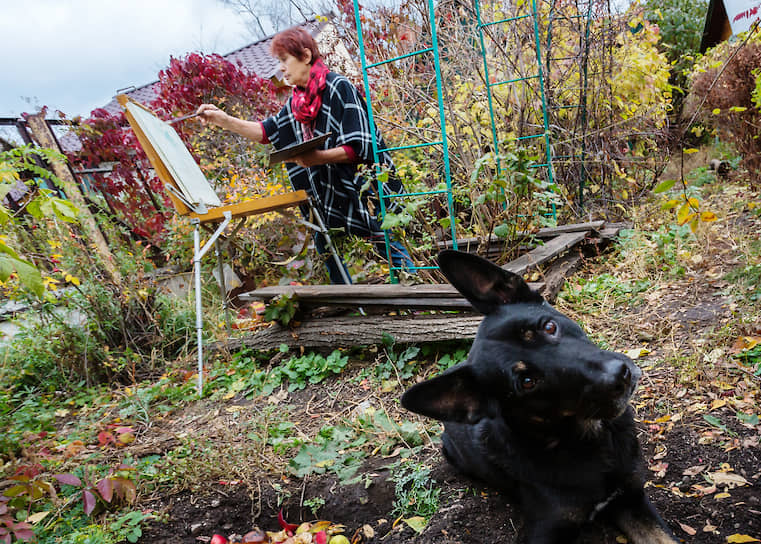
x=553, y=460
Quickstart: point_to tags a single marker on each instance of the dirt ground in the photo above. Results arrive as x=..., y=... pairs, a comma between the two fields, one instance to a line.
x=687, y=420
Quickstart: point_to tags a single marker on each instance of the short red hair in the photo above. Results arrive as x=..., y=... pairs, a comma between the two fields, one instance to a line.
x=293, y=42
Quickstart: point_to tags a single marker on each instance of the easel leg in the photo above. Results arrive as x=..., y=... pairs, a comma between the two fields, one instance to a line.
x=222, y=287
x=198, y=253
x=199, y=308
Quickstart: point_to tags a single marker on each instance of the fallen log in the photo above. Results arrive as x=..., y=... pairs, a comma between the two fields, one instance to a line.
x=343, y=332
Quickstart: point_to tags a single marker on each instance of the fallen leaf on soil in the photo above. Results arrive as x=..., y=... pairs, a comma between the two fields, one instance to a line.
x=417, y=523
x=744, y=343
x=692, y=471
x=718, y=403
x=687, y=529
x=726, y=478
x=636, y=353
x=735, y=538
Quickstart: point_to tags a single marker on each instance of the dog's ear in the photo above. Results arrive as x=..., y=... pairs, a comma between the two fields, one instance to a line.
x=483, y=283
x=453, y=395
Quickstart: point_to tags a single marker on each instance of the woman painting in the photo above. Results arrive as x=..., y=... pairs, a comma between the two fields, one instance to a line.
x=322, y=102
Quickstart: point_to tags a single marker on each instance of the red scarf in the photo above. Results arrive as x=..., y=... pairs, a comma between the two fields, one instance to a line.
x=306, y=102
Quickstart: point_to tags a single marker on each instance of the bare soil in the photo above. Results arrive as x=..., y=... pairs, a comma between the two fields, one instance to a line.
x=687, y=420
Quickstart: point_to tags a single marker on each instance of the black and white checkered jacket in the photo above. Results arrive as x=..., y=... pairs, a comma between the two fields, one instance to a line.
x=336, y=189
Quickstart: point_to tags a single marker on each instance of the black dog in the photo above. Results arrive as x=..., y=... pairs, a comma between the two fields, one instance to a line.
x=539, y=411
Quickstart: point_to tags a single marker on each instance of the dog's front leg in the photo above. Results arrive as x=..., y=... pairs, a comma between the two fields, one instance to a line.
x=551, y=530
x=636, y=516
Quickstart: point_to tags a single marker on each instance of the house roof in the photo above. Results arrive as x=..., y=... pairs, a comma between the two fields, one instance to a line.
x=255, y=58
x=716, y=28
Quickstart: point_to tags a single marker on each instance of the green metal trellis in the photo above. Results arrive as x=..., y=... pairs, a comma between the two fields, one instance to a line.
x=484, y=29
x=433, y=49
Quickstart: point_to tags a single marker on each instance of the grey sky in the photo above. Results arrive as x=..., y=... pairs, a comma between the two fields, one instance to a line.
x=73, y=55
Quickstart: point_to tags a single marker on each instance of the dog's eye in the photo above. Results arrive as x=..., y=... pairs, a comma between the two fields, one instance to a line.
x=551, y=328
x=527, y=382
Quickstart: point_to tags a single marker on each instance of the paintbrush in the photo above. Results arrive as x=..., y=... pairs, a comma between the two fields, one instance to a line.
x=183, y=118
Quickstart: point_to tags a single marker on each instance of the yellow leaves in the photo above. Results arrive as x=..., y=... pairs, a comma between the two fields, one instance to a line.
x=636, y=353
x=707, y=217
x=744, y=343
x=738, y=538
x=684, y=214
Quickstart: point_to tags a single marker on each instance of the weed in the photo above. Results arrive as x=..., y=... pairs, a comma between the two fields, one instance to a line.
x=606, y=286
x=127, y=526
x=400, y=364
x=416, y=494
x=314, y=504
x=281, y=309
x=751, y=358
x=334, y=449
x=310, y=368
x=747, y=280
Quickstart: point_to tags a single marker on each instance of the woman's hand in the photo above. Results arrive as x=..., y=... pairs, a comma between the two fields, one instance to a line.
x=310, y=158
x=209, y=113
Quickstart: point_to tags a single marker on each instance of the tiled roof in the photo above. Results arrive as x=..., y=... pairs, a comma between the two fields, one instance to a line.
x=254, y=57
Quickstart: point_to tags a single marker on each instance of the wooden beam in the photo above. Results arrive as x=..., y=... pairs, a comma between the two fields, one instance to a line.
x=254, y=206
x=544, y=233
x=428, y=296
x=544, y=253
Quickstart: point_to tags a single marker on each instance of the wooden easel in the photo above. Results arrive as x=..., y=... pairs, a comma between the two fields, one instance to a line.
x=193, y=196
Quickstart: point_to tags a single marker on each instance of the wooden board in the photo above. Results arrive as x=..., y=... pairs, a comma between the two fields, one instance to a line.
x=417, y=297
x=544, y=253
x=549, y=232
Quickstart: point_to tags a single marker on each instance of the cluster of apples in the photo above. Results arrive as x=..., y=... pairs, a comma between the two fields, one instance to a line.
x=319, y=532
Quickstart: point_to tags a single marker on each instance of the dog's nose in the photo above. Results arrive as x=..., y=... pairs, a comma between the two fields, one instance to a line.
x=621, y=374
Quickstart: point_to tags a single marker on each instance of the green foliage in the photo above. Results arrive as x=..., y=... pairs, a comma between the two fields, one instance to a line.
x=310, y=368
x=416, y=493
x=680, y=23
x=399, y=364
x=314, y=504
x=669, y=246
x=119, y=338
x=42, y=206
x=607, y=286
x=281, y=309
x=334, y=449
x=127, y=526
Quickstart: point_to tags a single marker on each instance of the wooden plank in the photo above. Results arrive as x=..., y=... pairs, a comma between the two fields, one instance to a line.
x=354, y=290
x=548, y=232
x=544, y=253
x=254, y=206
x=574, y=227
x=359, y=294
